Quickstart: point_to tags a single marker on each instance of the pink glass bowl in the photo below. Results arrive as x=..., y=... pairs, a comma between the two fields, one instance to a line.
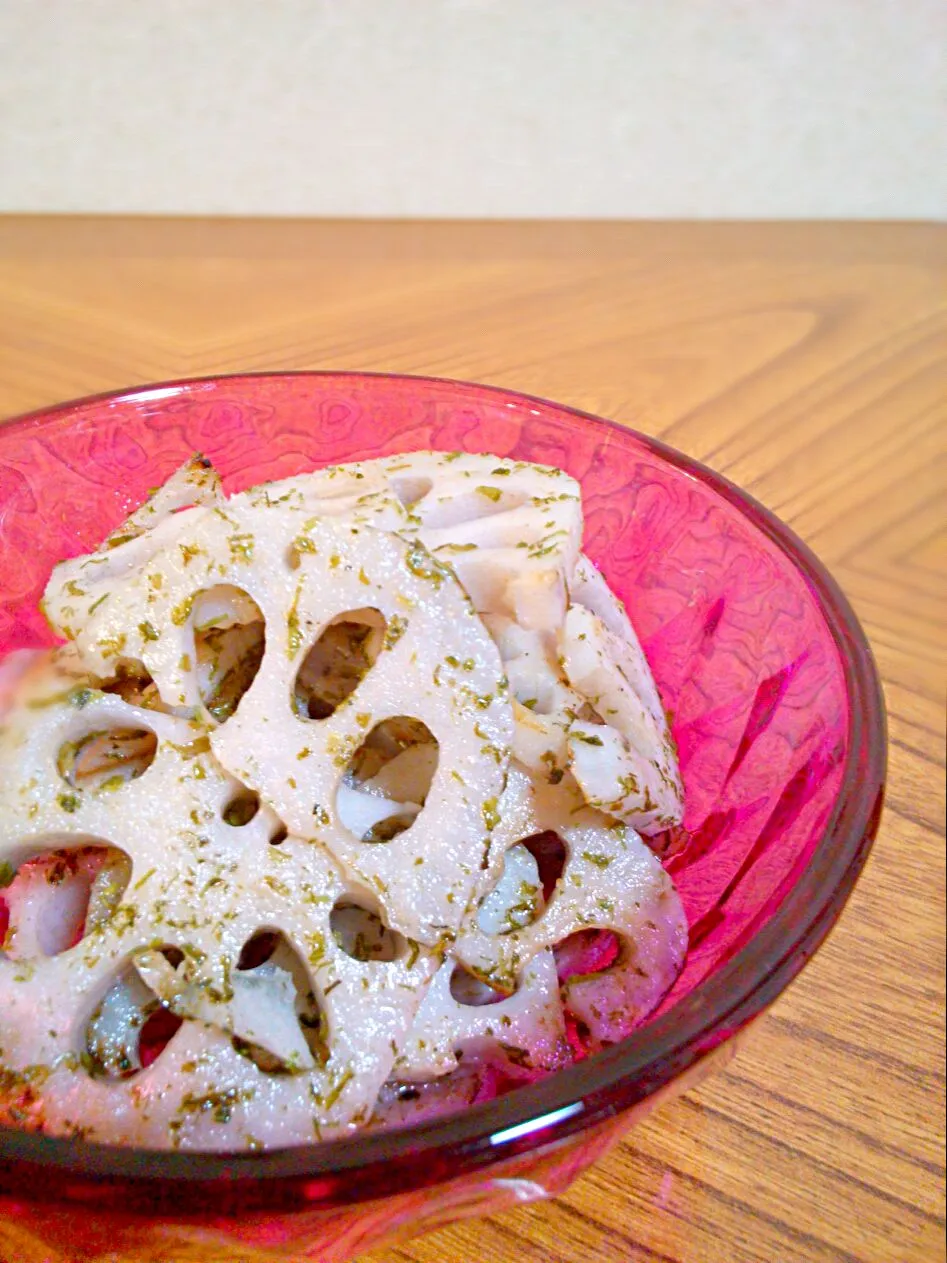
x=776, y=709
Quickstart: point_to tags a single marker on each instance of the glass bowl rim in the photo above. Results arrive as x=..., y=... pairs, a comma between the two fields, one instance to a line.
x=603, y=1085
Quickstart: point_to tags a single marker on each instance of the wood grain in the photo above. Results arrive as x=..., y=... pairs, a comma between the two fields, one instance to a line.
x=809, y=364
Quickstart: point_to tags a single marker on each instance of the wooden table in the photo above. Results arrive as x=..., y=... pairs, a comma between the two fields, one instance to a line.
x=806, y=362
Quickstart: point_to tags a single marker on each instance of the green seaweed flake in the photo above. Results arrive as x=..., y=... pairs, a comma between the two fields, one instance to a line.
x=294, y=638
x=423, y=566
x=396, y=628
x=241, y=547
x=182, y=611
x=491, y=814
x=220, y=1105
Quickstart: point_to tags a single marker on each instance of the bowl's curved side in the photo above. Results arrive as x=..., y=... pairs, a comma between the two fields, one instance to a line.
x=334, y=1234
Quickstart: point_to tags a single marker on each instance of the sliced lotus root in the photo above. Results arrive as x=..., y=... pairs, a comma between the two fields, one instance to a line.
x=435, y=661
x=517, y=898
x=266, y=1009
x=358, y=492
x=588, y=700
x=53, y=897
x=195, y=483
x=510, y=530
x=544, y=705
x=462, y=1015
x=102, y=601
x=81, y=585
x=69, y=746
x=361, y=710
x=49, y=807
x=625, y=763
x=437, y=665
x=200, y=889
x=363, y=1004
x=590, y=589
x=481, y=1075
x=228, y=650
x=527, y=1027
x=611, y=881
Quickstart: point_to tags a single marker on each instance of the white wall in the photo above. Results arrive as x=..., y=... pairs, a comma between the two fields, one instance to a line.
x=599, y=108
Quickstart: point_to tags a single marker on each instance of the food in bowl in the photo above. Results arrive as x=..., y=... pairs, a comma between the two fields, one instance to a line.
x=331, y=811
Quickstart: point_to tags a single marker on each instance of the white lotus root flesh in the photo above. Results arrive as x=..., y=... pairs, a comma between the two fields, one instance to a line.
x=528, y=1025
x=625, y=762
x=201, y=888
x=277, y=794
x=610, y=881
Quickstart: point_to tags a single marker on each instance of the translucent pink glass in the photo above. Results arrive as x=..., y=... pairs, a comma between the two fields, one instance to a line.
x=776, y=710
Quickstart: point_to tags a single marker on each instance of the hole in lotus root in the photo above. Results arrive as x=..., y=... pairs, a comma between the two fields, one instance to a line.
x=54, y=899
x=579, y=1037
x=389, y=828
x=549, y=852
x=128, y=1029
x=338, y=661
x=158, y=1031
x=107, y=759
x=387, y=780
x=531, y=871
x=471, y=991
x=241, y=809
x=135, y=686
x=274, y=970
x=229, y=640
x=362, y=934
x=258, y=949
x=586, y=952
x=517, y=898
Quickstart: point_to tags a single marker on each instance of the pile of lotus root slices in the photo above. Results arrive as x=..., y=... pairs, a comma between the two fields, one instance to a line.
x=330, y=812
